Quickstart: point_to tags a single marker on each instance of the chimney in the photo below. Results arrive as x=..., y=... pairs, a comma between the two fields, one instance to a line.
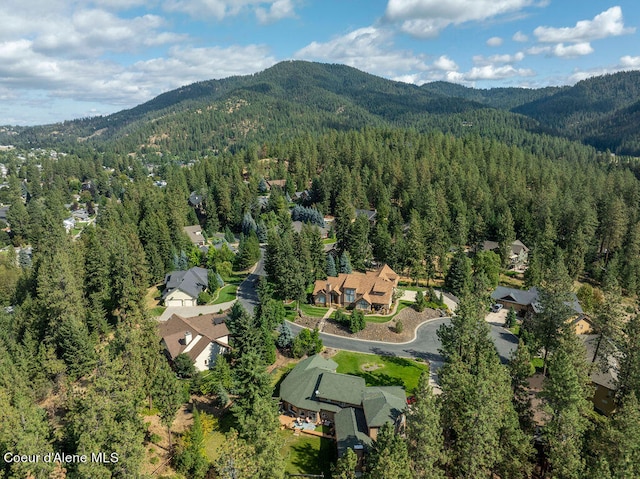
x=328, y=290
x=187, y=337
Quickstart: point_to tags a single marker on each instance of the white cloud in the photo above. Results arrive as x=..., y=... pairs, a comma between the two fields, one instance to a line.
x=277, y=11
x=369, y=49
x=494, y=41
x=572, y=51
x=24, y=69
x=492, y=72
x=606, y=24
x=628, y=61
x=498, y=59
x=266, y=11
x=445, y=63
x=81, y=36
x=427, y=18
x=520, y=37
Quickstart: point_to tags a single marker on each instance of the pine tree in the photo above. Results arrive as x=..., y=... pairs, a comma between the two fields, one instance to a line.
x=167, y=396
x=286, y=336
x=388, y=458
x=424, y=433
x=345, y=263
x=331, y=266
x=565, y=392
x=629, y=371
x=481, y=426
x=458, y=278
x=345, y=466
x=520, y=370
x=420, y=303
x=236, y=459
x=624, y=438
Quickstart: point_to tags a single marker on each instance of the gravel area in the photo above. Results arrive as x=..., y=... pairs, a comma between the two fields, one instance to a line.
x=410, y=318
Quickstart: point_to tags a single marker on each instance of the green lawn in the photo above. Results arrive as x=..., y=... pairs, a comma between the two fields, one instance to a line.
x=313, y=311
x=393, y=371
x=214, y=441
x=306, y=454
x=303, y=454
x=226, y=293
x=157, y=311
x=307, y=309
x=329, y=241
x=384, y=319
x=235, y=278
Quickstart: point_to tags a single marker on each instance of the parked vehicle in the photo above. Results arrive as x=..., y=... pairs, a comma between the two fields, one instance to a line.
x=496, y=308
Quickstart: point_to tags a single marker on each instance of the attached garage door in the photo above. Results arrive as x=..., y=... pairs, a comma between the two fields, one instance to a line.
x=174, y=302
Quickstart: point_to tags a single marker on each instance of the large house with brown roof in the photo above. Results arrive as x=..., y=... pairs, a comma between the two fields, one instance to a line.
x=370, y=291
x=202, y=338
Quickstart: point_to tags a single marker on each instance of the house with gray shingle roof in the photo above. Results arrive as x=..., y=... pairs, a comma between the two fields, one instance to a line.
x=313, y=390
x=183, y=287
x=523, y=301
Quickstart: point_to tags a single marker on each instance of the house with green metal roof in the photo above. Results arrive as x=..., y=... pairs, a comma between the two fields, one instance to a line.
x=314, y=391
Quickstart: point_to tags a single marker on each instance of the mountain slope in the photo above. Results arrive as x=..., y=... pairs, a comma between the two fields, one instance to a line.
x=298, y=97
x=598, y=111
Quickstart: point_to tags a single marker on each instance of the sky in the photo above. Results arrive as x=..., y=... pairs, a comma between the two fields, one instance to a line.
x=67, y=59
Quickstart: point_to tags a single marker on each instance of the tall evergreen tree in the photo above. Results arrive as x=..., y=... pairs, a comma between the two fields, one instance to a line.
x=565, y=392
x=388, y=458
x=331, y=266
x=424, y=433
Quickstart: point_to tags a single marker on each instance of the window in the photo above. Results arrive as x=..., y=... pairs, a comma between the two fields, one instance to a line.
x=321, y=299
x=349, y=295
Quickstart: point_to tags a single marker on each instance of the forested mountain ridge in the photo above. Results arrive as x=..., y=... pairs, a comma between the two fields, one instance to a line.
x=502, y=98
x=298, y=97
x=601, y=111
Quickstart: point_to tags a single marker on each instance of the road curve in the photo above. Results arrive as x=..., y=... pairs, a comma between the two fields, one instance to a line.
x=424, y=346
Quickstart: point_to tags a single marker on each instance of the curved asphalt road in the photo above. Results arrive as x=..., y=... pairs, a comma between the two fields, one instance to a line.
x=424, y=346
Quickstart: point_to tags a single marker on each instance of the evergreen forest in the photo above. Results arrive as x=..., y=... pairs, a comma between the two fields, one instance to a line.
x=445, y=168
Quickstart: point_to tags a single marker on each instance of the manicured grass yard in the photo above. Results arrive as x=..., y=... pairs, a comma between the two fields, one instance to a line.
x=384, y=319
x=303, y=454
x=306, y=454
x=307, y=310
x=389, y=370
x=226, y=293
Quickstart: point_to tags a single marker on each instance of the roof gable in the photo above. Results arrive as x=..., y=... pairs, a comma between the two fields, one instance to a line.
x=192, y=282
x=205, y=329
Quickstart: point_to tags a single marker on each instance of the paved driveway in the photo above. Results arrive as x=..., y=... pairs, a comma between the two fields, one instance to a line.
x=247, y=292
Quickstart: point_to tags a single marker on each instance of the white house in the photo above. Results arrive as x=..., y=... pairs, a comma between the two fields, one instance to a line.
x=202, y=338
x=183, y=287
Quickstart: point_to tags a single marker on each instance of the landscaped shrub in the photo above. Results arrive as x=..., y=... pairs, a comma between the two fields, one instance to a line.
x=204, y=297
x=357, y=321
x=399, y=327
x=420, y=303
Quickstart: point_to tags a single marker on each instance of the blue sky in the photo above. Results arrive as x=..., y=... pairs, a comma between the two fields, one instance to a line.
x=66, y=59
